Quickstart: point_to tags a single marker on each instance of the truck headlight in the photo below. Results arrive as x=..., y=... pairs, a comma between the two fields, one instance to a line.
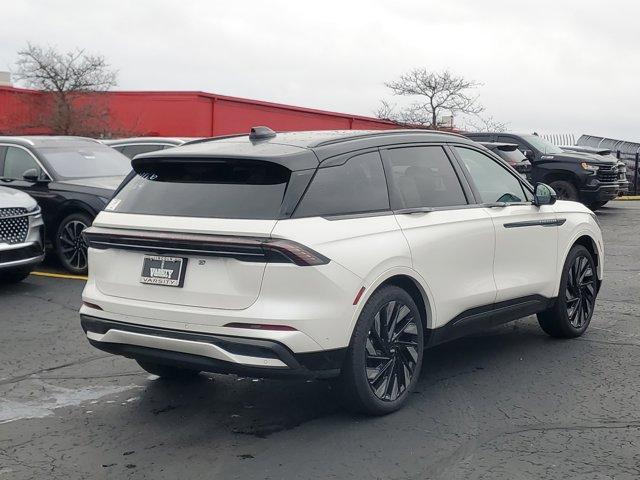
x=589, y=167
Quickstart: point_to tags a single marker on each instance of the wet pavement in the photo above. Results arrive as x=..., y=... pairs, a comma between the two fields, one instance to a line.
x=511, y=403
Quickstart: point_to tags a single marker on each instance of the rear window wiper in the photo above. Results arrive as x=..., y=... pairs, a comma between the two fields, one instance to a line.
x=408, y=211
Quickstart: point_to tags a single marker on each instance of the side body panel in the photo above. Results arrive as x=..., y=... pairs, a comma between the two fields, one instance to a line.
x=453, y=250
x=526, y=251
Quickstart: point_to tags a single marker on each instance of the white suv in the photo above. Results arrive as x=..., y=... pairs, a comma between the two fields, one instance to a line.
x=330, y=254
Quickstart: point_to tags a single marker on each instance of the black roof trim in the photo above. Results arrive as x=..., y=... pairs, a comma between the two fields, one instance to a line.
x=358, y=136
x=212, y=139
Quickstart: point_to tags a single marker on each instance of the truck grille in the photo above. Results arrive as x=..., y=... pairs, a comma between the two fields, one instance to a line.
x=608, y=174
x=14, y=225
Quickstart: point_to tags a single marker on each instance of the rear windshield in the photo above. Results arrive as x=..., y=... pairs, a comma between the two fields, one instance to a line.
x=243, y=189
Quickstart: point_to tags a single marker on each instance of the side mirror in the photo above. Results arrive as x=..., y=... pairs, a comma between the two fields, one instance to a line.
x=544, y=195
x=529, y=154
x=31, y=175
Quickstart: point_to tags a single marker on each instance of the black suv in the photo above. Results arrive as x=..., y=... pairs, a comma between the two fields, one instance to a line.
x=578, y=176
x=71, y=178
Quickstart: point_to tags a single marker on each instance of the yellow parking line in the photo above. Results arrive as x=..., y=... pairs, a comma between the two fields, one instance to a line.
x=59, y=275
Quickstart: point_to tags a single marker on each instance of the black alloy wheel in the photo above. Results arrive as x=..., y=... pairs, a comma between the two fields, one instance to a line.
x=391, y=351
x=382, y=364
x=70, y=245
x=571, y=313
x=580, y=295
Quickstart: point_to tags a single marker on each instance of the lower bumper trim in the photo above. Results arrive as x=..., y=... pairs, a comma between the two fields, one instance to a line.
x=21, y=255
x=206, y=352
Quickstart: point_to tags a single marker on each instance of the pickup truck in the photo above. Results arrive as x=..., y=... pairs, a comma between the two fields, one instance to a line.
x=579, y=176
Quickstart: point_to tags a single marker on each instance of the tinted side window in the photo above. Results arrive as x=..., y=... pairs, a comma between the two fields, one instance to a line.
x=423, y=177
x=17, y=161
x=494, y=182
x=358, y=186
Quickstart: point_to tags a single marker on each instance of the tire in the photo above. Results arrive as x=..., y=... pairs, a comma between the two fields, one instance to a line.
x=571, y=313
x=597, y=205
x=565, y=190
x=168, y=372
x=14, y=275
x=373, y=363
x=69, y=244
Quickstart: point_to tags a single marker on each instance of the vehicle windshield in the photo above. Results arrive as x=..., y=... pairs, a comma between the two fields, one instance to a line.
x=84, y=160
x=542, y=145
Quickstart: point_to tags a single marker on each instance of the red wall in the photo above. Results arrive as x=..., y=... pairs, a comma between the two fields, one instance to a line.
x=189, y=114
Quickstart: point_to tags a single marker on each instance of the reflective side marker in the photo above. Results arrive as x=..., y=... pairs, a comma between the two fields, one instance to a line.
x=92, y=305
x=358, y=296
x=261, y=326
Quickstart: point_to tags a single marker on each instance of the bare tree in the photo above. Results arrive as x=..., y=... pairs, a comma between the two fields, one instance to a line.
x=480, y=123
x=75, y=79
x=437, y=93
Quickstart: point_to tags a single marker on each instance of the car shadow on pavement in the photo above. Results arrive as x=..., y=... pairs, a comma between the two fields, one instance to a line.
x=261, y=407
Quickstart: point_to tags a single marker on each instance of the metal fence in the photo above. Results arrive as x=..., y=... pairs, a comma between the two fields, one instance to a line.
x=560, y=139
x=629, y=152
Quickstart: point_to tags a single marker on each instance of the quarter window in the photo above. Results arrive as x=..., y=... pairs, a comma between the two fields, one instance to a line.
x=423, y=177
x=16, y=162
x=358, y=186
x=494, y=182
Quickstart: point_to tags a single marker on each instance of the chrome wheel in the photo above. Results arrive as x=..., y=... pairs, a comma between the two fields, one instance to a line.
x=72, y=246
x=581, y=292
x=392, y=350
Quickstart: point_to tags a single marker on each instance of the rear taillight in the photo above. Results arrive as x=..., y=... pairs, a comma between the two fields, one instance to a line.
x=248, y=249
x=295, y=252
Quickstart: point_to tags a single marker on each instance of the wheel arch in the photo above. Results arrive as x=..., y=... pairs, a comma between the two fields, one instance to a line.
x=412, y=283
x=590, y=242
x=66, y=209
x=567, y=176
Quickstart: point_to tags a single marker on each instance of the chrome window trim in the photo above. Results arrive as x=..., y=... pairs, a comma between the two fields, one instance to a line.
x=164, y=144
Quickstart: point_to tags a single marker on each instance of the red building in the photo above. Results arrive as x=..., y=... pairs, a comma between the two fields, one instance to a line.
x=186, y=114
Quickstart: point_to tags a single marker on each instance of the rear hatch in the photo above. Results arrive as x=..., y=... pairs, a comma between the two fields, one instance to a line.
x=190, y=231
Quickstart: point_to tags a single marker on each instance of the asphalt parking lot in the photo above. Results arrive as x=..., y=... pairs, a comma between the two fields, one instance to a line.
x=511, y=403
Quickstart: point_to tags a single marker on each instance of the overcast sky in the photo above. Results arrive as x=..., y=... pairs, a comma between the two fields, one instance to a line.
x=568, y=66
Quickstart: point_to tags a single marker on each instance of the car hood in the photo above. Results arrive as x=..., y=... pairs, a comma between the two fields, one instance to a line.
x=584, y=157
x=12, y=198
x=104, y=183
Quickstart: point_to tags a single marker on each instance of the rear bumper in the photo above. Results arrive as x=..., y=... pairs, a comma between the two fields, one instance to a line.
x=208, y=352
